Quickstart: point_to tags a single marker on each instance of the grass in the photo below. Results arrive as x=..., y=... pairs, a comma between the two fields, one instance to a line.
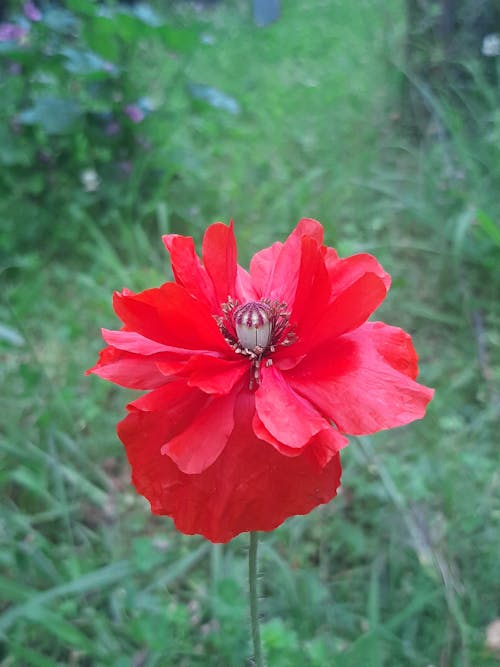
x=401, y=568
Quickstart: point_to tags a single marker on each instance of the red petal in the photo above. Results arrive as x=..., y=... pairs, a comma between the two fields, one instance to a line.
x=214, y=376
x=323, y=445
x=245, y=290
x=326, y=445
x=263, y=434
x=331, y=258
x=189, y=271
x=262, y=267
x=275, y=270
x=249, y=487
x=364, y=382
x=169, y=315
x=288, y=417
x=127, y=370
x=201, y=443
x=130, y=341
x=309, y=227
x=176, y=399
x=348, y=311
x=345, y=272
x=219, y=257
x=313, y=287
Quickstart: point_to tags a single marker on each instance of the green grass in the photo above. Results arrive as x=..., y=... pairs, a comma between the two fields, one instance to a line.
x=400, y=570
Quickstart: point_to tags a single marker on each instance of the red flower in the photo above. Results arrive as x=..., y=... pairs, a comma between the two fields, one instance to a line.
x=254, y=377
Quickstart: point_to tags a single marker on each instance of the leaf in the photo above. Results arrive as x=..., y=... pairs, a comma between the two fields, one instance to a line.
x=178, y=39
x=86, y=62
x=144, y=555
x=57, y=626
x=56, y=115
x=146, y=14
x=96, y=580
x=214, y=97
x=27, y=656
x=178, y=569
x=24, y=54
x=100, y=35
x=60, y=20
x=11, y=336
x=82, y=7
x=490, y=228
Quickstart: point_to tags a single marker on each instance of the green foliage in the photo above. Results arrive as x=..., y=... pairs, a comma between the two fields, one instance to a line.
x=77, y=120
x=400, y=569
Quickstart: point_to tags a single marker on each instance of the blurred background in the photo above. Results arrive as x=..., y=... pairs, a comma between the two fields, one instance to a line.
x=121, y=122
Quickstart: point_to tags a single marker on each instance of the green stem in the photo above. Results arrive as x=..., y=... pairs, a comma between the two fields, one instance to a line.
x=254, y=612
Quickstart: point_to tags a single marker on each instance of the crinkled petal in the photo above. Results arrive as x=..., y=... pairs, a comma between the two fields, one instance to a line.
x=262, y=267
x=201, y=443
x=245, y=290
x=213, y=375
x=275, y=270
x=327, y=444
x=323, y=445
x=127, y=370
x=263, y=434
x=350, y=309
x=309, y=227
x=330, y=257
x=189, y=271
x=176, y=400
x=170, y=315
x=219, y=257
x=364, y=382
x=313, y=287
x=249, y=487
x=130, y=341
x=345, y=272
x=290, y=418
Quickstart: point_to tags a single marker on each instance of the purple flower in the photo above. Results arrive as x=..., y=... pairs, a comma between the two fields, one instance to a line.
x=126, y=167
x=31, y=11
x=10, y=32
x=112, y=128
x=14, y=69
x=134, y=112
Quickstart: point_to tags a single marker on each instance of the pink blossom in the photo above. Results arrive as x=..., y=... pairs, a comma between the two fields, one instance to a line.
x=10, y=32
x=134, y=112
x=31, y=11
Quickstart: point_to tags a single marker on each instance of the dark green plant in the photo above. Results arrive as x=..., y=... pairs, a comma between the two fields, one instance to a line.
x=75, y=119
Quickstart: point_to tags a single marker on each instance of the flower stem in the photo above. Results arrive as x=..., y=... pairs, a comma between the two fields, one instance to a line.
x=254, y=612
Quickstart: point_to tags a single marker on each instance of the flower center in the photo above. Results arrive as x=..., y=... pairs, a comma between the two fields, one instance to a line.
x=255, y=329
x=253, y=325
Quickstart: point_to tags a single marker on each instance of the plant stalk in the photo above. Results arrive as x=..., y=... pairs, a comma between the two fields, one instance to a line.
x=254, y=611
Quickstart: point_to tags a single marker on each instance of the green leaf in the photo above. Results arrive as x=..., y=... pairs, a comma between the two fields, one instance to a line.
x=490, y=228
x=214, y=98
x=83, y=7
x=100, y=35
x=183, y=40
x=85, y=62
x=96, y=580
x=57, y=626
x=10, y=336
x=60, y=20
x=144, y=554
x=56, y=115
x=27, y=656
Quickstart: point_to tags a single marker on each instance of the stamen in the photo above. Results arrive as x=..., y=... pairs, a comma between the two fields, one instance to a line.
x=255, y=329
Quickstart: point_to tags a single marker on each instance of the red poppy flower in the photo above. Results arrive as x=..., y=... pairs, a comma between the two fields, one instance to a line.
x=254, y=378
